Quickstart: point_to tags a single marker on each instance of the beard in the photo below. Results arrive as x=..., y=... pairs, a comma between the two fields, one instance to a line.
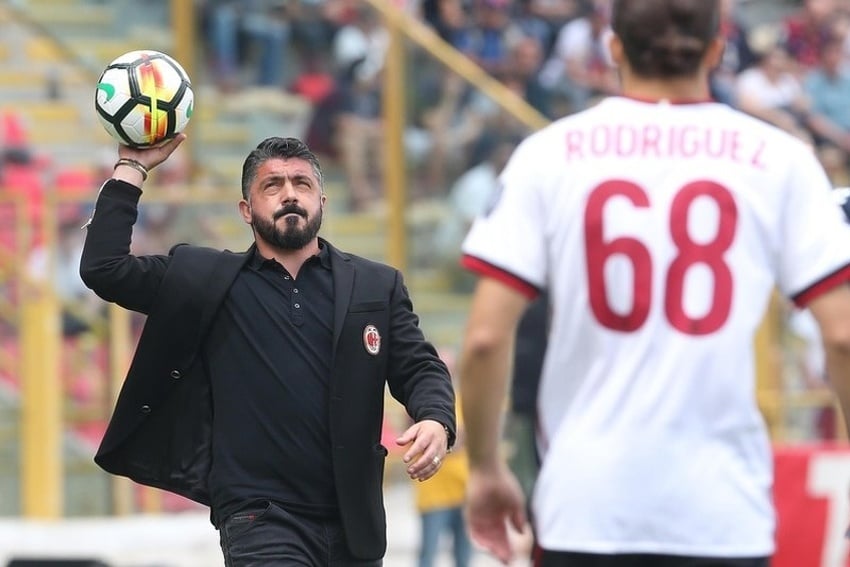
x=290, y=237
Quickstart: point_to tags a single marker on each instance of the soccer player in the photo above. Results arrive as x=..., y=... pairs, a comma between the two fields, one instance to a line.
x=659, y=223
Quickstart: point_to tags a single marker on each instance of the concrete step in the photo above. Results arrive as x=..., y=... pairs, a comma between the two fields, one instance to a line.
x=70, y=15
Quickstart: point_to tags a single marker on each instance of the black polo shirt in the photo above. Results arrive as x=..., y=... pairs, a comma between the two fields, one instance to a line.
x=268, y=356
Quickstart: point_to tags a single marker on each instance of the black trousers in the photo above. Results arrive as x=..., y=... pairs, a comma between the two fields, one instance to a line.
x=269, y=536
x=570, y=559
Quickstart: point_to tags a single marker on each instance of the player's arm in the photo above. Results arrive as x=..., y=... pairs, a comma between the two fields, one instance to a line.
x=485, y=365
x=832, y=312
x=106, y=266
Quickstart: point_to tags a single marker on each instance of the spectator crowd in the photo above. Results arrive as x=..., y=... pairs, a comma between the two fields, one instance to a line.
x=792, y=72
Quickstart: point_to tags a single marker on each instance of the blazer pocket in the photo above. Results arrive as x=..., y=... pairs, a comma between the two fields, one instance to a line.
x=367, y=306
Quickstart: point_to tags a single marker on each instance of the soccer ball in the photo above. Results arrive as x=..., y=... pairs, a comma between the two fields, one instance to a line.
x=144, y=98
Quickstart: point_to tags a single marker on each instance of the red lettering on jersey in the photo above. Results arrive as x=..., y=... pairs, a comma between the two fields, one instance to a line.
x=651, y=138
x=690, y=252
x=688, y=144
x=756, y=161
x=574, y=145
x=626, y=141
x=716, y=146
x=600, y=141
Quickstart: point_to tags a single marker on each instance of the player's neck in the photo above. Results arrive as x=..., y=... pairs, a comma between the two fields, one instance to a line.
x=674, y=90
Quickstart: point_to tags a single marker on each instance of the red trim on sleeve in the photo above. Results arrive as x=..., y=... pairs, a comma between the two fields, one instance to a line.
x=486, y=269
x=819, y=288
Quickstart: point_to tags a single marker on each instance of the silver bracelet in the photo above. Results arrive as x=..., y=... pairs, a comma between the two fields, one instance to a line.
x=135, y=165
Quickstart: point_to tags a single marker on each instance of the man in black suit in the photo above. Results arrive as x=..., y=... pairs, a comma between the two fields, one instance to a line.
x=257, y=386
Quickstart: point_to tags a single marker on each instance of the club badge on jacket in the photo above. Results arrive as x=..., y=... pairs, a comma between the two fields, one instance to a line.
x=372, y=339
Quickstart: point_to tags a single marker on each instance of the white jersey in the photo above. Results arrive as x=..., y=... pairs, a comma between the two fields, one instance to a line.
x=660, y=231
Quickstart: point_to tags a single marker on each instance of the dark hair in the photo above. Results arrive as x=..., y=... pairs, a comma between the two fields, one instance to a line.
x=272, y=148
x=665, y=38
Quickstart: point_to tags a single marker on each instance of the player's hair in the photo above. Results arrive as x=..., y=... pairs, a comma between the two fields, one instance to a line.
x=276, y=147
x=665, y=38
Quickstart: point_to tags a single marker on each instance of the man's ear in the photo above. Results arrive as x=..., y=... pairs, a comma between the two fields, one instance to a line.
x=714, y=55
x=245, y=211
x=615, y=48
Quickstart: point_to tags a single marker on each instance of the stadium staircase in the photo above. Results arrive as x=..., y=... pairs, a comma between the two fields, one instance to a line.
x=51, y=52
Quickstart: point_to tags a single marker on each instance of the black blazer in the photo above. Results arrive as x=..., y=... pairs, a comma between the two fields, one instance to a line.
x=159, y=433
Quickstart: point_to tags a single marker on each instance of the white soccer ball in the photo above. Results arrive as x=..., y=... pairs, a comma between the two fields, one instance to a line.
x=144, y=98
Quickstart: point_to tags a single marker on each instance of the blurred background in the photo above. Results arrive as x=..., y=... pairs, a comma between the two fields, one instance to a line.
x=413, y=107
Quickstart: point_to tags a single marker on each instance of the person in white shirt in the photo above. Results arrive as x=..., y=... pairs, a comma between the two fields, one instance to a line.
x=579, y=67
x=770, y=91
x=469, y=196
x=659, y=224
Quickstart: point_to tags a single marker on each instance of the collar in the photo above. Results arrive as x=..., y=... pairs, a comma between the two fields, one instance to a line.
x=257, y=261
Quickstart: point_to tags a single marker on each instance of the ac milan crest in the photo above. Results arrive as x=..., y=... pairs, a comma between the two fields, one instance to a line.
x=372, y=339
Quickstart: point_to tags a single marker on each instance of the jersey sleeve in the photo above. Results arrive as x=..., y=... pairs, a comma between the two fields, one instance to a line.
x=815, y=236
x=508, y=240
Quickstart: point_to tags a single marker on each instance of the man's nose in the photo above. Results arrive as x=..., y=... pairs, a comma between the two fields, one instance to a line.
x=288, y=193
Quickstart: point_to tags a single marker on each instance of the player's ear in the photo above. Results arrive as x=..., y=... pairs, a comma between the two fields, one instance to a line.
x=615, y=49
x=714, y=54
x=245, y=211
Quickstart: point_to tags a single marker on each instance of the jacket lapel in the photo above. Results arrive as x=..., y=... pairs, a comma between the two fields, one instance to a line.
x=343, y=274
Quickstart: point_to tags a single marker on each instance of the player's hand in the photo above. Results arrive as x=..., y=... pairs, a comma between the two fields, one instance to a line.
x=428, y=445
x=153, y=156
x=495, y=505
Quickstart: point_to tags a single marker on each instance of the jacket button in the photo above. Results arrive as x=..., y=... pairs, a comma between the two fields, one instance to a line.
x=145, y=408
x=175, y=374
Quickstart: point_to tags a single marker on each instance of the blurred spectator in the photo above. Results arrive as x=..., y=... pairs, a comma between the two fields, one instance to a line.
x=579, y=67
x=554, y=13
x=450, y=126
x=828, y=90
x=805, y=32
x=359, y=51
x=470, y=196
x=314, y=82
x=526, y=60
x=250, y=32
x=494, y=32
x=497, y=122
x=771, y=91
x=737, y=56
x=452, y=22
x=531, y=24
x=315, y=22
x=81, y=309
